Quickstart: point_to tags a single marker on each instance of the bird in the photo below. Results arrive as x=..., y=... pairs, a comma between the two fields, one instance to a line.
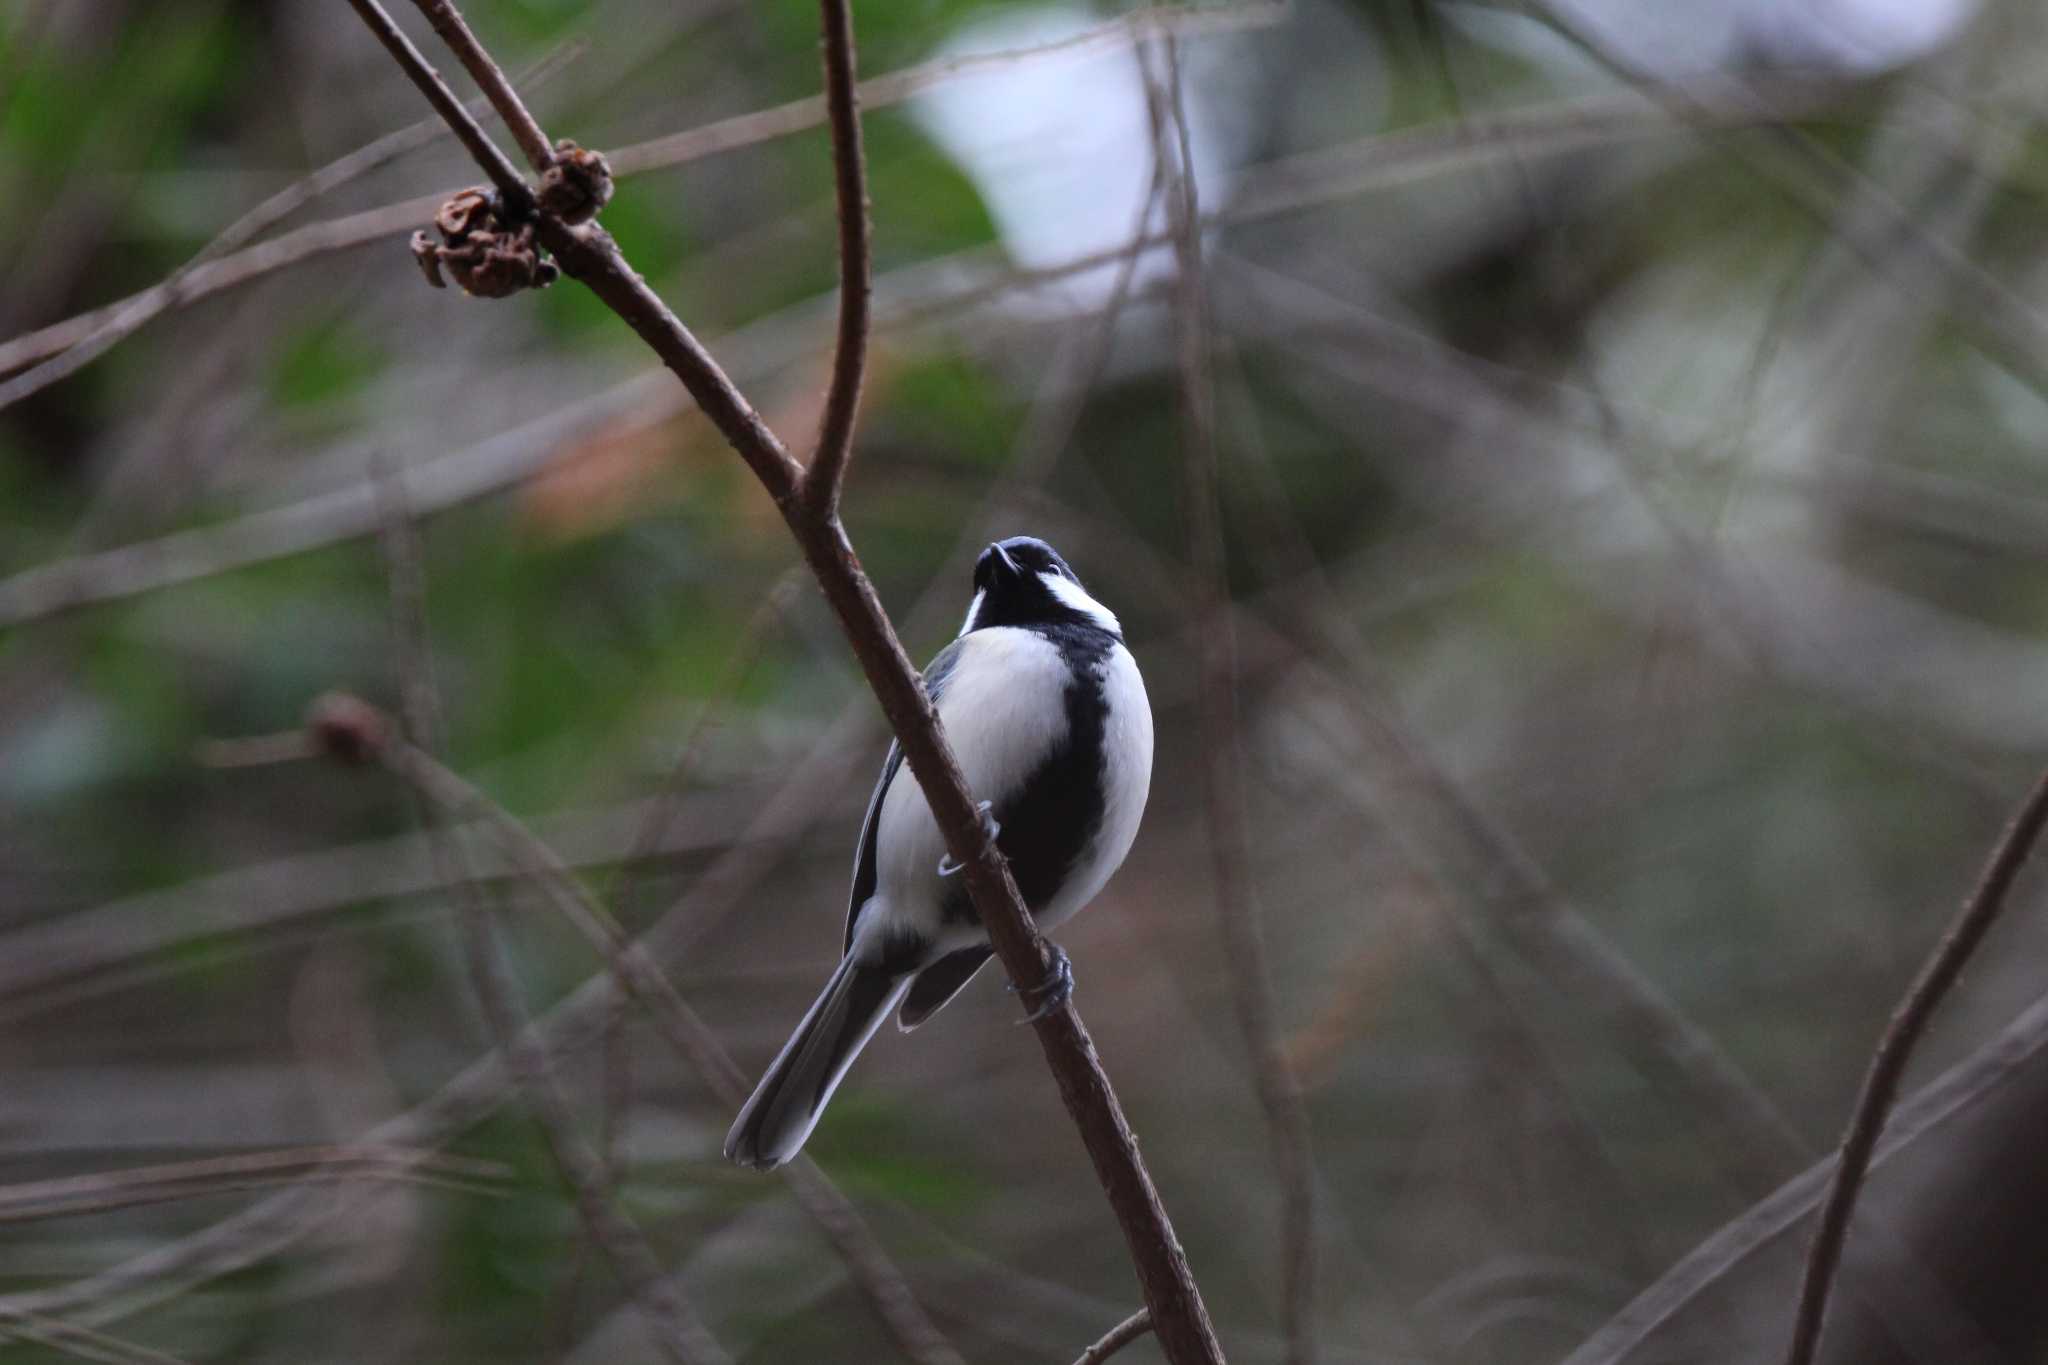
x=1046, y=711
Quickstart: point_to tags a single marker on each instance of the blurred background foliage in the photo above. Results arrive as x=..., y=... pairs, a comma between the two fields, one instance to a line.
x=1630, y=428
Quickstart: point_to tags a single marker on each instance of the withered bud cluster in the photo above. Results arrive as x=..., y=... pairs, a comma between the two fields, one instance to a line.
x=577, y=185
x=347, y=729
x=487, y=255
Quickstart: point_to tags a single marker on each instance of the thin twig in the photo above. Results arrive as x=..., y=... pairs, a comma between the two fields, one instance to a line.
x=1116, y=1338
x=1273, y=1076
x=454, y=31
x=575, y=1024
x=123, y=320
x=71, y=1339
x=660, y=809
x=1998, y=319
x=467, y=130
x=2017, y=1052
x=684, y=1030
x=1290, y=185
x=33, y=1200
x=589, y=255
x=679, y=1333
x=493, y=464
x=1888, y=1066
x=827, y=469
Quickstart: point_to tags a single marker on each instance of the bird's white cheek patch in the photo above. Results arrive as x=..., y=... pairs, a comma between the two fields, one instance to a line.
x=1075, y=598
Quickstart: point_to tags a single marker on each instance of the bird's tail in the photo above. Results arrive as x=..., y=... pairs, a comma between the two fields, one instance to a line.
x=785, y=1107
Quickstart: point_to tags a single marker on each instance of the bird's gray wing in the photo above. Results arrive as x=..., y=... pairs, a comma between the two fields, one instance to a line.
x=935, y=675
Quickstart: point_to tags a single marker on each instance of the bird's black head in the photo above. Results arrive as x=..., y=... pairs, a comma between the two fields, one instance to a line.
x=1023, y=581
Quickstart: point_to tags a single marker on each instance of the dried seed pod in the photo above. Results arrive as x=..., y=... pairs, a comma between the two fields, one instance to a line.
x=347, y=729
x=464, y=212
x=487, y=256
x=429, y=257
x=577, y=185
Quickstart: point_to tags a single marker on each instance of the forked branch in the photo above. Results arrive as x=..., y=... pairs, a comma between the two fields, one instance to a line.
x=1888, y=1066
x=589, y=255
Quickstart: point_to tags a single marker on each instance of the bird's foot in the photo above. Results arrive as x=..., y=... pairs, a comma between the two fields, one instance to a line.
x=1055, y=990
x=947, y=867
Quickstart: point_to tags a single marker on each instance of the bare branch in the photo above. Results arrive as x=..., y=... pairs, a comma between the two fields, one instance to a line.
x=1280, y=187
x=2015, y=1052
x=656, y=826
x=1278, y=1088
x=454, y=31
x=574, y=1024
x=588, y=254
x=827, y=470
x=74, y=1340
x=1887, y=1067
x=1116, y=1338
x=30, y=1201
x=683, y=1029
x=421, y=72
x=349, y=730
x=117, y=324
x=1998, y=319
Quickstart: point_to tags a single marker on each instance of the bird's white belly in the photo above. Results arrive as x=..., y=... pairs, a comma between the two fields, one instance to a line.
x=1004, y=710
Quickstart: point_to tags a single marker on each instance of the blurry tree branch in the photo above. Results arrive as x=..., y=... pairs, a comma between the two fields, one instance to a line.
x=642, y=979
x=351, y=731
x=32, y=1200
x=1999, y=319
x=115, y=324
x=68, y=1338
x=590, y=256
x=65, y=957
x=575, y=1023
x=1888, y=1066
x=501, y=461
x=1222, y=775
x=1957, y=1092
x=1299, y=182
x=1116, y=1338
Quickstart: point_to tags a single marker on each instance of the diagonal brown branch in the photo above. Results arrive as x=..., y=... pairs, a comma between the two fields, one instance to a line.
x=467, y=130
x=114, y=325
x=1888, y=1066
x=589, y=255
x=1291, y=185
x=454, y=31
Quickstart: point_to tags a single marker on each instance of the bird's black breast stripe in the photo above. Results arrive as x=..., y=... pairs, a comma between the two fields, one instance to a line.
x=1048, y=820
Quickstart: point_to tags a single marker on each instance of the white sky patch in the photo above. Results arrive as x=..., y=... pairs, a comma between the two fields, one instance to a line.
x=1849, y=36
x=1060, y=147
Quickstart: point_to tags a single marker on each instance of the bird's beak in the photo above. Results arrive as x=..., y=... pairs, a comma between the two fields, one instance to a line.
x=1009, y=564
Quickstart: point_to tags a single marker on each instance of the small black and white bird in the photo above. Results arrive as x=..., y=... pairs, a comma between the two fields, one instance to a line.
x=1047, y=714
